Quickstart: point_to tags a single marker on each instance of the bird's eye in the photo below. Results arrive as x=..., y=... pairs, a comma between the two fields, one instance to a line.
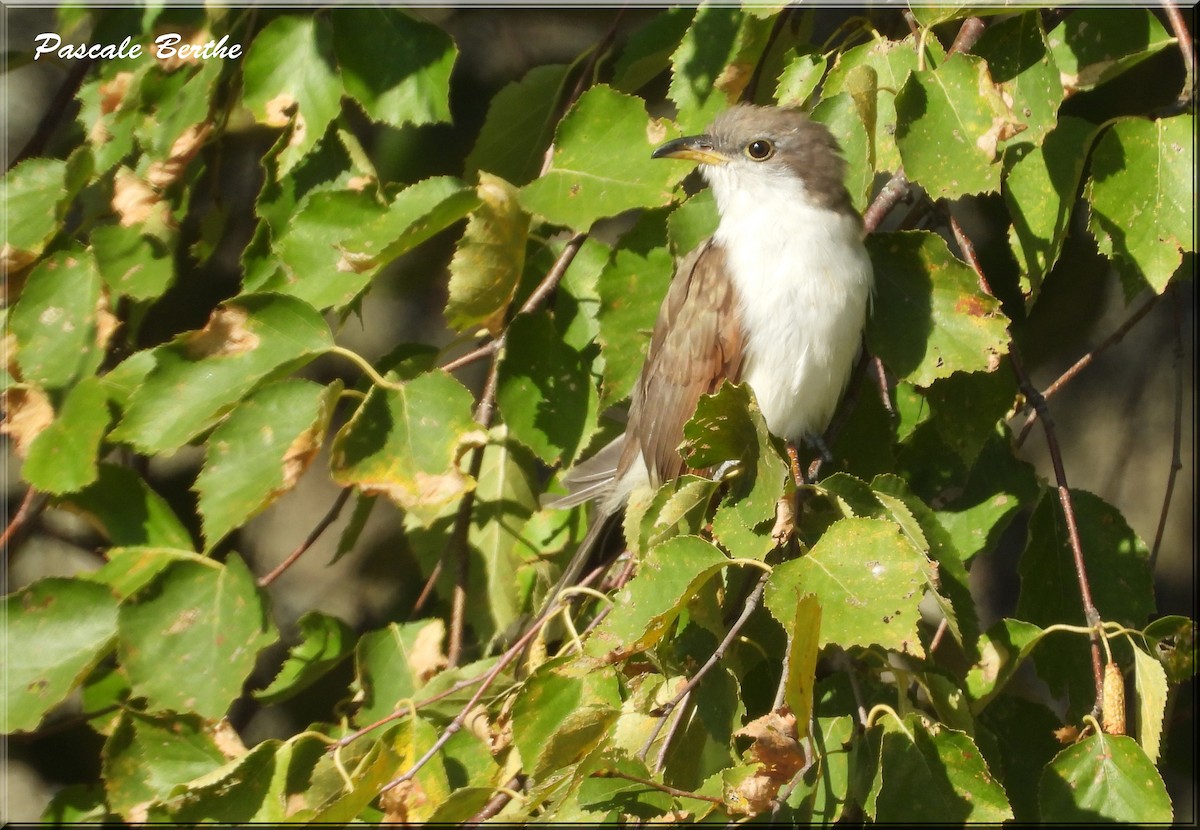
x=760, y=149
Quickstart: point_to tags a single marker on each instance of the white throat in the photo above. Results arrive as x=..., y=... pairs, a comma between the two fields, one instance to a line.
x=804, y=281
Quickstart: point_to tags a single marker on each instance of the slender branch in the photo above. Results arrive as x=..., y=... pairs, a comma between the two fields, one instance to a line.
x=747, y=609
x=666, y=788
x=968, y=35
x=1187, y=50
x=499, y=800
x=890, y=195
x=1177, y=432
x=426, y=590
x=405, y=712
x=329, y=518
x=1060, y=475
x=32, y=504
x=1113, y=339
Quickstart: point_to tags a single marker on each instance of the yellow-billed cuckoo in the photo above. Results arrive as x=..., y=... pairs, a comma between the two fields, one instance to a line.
x=777, y=298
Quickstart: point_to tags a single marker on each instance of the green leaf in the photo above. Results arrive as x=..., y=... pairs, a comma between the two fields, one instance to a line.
x=417, y=213
x=393, y=663
x=950, y=121
x=200, y=375
x=931, y=774
x=892, y=62
x=56, y=630
x=545, y=390
x=1150, y=681
x=488, y=261
x=1092, y=46
x=132, y=263
x=77, y=804
x=803, y=639
x=1118, y=575
x=396, y=67
x=1143, y=198
x=601, y=164
x=289, y=78
x=129, y=570
x=405, y=443
x=1173, y=641
x=844, y=118
x=647, y=53
x=250, y=788
x=122, y=506
x=692, y=222
x=868, y=580
x=55, y=320
x=631, y=288
x=966, y=407
x=32, y=192
x=519, y=125
x=62, y=457
x=313, y=268
x=930, y=319
x=727, y=426
x=561, y=714
x=800, y=79
x=1021, y=737
x=644, y=609
x=714, y=63
x=260, y=451
x=324, y=642
x=1021, y=65
x=1040, y=188
x=1002, y=650
x=1103, y=778
x=208, y=621
x=147, y=756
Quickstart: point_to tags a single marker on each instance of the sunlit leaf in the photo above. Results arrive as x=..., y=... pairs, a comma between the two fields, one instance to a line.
x=1103, y=778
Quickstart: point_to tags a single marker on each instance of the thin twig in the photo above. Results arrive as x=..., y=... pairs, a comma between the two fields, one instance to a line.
x=1116, y=337
x=1186, y=49
x=426, y=590
x=329, y=518
x=1060, y=475
x=660, y=760
x=1177, y=433
x=499, y=800
x=666, y=788
x=890, y=195
x=747, y=609
x=32, y=504
x=943, y=626
x=968, y=35
x=404, y=712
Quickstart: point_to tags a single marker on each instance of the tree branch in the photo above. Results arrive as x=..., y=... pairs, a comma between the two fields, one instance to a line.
x=329, y=518
x=1177, y=432
x=32, y=504
x=1187, y=51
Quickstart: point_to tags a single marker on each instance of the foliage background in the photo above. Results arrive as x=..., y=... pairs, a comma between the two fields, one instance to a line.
x=1115, y=420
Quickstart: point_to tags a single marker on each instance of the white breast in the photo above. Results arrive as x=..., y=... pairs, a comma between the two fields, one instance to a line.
x=804, y=280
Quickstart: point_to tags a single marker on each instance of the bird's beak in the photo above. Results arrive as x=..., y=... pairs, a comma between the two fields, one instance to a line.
x=699, y=148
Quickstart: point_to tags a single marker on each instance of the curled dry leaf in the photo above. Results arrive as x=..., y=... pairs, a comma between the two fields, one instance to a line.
x=1068, y=734
x=27, y=411
x=223, y=335
x=404, y=802
x=774, y=744
x=300, y=453
x=133, y=199
x=113, y=91
x=427, y=658
x=164, y=173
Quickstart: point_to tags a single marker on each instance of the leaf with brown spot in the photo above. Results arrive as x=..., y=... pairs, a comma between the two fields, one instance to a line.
x=162, y=174
x=224, y=334
x=27, y=411
x=134, y=200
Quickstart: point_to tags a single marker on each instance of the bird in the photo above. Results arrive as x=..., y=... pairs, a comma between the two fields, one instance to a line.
x=776, y=298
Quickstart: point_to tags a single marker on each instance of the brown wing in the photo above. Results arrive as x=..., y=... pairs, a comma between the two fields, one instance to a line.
x=697, y=343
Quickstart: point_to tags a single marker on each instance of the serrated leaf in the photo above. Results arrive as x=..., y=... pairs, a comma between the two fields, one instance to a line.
x=130, y=569
x=206, y=620
x=930, y=774
x=405, y=444
x=32, y=191
x=55, y=320
x=519, y=125
x=950, y=122
x=147, y=756
x=1150, y=682
x=200, y=375
x=395, y=66
x=804, y=635
x=844, y=118
x=1021, y=65
x=966, y=407
x=601, y=164
x=1040, y=187
x=930, y=319
x=1173, y=641
x=692, y=222
x=560, y=715
x=647, y=53
x=324, y=642
x=248, y=789
x=489, y=258
x=1103, y=778
x=1143, y=198
x=800, y=79
x=1094, y=45
x=132, y=263
x=122, y=506
x=56, y=630
x=393, y=663
x=62, y=457
x=1002, y=650
x=260, y=451
x=644, y=609
x=289, y=78
x=714, y=63
x=868, y=580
